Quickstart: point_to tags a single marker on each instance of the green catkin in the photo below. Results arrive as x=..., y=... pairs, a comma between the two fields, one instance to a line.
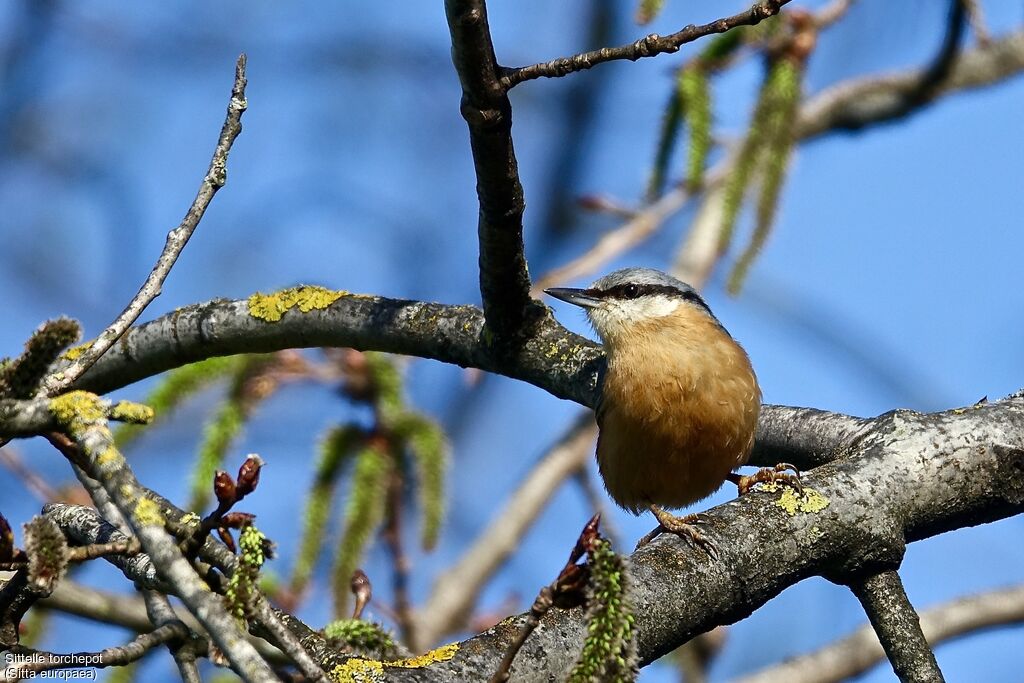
x=784, y=88
x=336, y=449
x=671, y=123
x=363, y=638
x=387, y=384
x=609, y=650
x=364, y=511
x=696, y=96
x=242, y=584
x=738, y=182
x=648, y=10
x=427, y=445
x=177, y=386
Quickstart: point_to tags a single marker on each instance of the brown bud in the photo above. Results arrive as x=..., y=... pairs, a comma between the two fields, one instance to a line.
x=225, y=537
x=591, y=532
x=224, y=488
x=237, y=520
x=249, y=475
x=570, y=588
x=362, y=589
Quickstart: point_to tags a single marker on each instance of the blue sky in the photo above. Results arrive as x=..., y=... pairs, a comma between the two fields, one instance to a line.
x=891, y=279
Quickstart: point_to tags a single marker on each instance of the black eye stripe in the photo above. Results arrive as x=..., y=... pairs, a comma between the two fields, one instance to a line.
x=632, y=290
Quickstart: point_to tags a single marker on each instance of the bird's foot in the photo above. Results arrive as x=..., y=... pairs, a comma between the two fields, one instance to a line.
x=683, y=527
x=766, y=475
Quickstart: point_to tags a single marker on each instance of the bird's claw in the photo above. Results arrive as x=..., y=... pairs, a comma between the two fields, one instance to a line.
x=766, y=475
x=683, y=527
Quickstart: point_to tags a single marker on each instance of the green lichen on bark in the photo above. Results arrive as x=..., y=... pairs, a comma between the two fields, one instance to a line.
x=272, y=307
x=77, y=411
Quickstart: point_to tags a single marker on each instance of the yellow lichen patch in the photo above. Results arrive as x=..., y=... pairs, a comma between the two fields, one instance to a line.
x=128, y=411
x=808, y=501
x=441, y=654
x=108, y=456
x=271, y=307
x=76, y=351
x=77, y=410
x=147, y=513
x=358, y=670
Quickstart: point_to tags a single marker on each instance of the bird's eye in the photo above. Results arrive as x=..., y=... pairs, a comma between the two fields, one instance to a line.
x=631, y=291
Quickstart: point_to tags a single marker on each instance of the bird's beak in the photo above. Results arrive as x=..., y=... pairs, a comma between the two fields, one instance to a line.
x=579, y=297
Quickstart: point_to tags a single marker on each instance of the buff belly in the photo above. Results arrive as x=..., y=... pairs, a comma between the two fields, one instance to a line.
x=670, y=435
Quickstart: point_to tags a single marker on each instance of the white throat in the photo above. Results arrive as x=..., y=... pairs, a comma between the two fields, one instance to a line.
x=613, y=317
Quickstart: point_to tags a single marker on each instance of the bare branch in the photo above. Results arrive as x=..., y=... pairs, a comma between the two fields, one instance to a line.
x=645, y=47
x=215, y=178
x=101, y=460
x=27, y=660
x=504, y=280
x=898, y=627
x=871, y=503
x=858, y=652
x=861, y=102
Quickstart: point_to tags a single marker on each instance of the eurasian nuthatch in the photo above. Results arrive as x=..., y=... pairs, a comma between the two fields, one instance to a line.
x=678, y=402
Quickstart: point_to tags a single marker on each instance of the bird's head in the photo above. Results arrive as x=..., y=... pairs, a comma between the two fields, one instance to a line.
x=620, y=301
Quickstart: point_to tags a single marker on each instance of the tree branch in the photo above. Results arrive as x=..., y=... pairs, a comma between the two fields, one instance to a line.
x=872, y=502
x=897, y=626
x=648, y=46
x=858, y=652
x=504, y=280
x=215, y=178
x=861, y=102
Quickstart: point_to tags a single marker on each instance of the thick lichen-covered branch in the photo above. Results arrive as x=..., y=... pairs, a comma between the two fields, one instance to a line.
x=856, y=516
x=554, y=359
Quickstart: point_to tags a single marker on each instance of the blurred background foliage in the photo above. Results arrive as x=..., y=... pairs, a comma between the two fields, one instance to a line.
x=889, y=279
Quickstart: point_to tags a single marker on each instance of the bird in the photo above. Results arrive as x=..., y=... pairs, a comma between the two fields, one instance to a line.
x=678, y=399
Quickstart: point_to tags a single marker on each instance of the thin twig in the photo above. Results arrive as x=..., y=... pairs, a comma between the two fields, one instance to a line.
x=976, y=18
x=215, y=178
x=25, y=660
x=897, y=626
x=831, y=13
x=567, y=587
x=399, y=560
x=645, y=47
x=33, y=482
x=858, y=652
x=90, y=552
x=160, y=612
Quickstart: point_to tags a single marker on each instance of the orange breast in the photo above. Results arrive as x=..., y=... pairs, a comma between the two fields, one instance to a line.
x=679, y=409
